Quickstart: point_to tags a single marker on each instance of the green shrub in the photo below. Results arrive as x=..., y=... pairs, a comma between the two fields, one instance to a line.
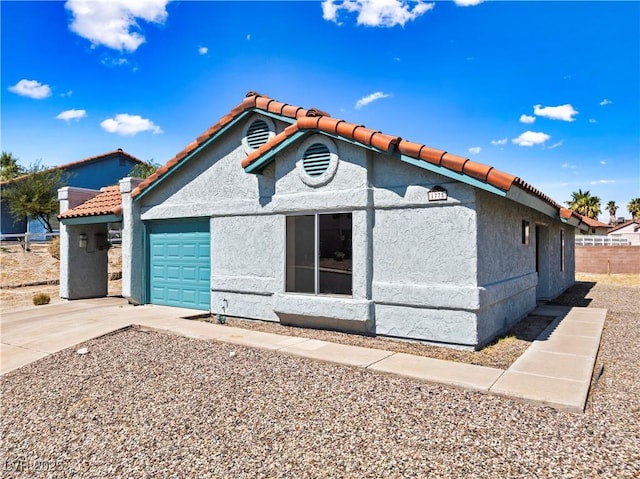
x=41, y=298
x=54, y=247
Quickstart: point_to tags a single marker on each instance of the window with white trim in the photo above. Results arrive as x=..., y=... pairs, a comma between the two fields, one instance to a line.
x=318, y=254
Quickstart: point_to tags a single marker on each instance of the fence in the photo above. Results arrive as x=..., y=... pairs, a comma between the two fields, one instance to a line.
x=596, y=240
x=608, y=259
x=25, y=239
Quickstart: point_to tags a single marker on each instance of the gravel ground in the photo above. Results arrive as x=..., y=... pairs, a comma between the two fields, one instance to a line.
x=151, y=405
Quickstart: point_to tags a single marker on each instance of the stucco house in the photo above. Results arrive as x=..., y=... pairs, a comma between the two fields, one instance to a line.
x=629, y=230
x=93, y=172
x=596, y=227
x=281, y=213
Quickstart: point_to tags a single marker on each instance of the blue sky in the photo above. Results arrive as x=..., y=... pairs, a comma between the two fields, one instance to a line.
x=548, y=91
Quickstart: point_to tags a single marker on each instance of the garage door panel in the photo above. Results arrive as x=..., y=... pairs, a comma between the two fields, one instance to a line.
x=180, y=268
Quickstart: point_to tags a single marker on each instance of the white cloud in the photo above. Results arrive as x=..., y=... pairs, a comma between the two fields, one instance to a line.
x=503, y=141
x=69, y=115
x=530, y=138
x=364, y=101
x=568, y=166
x=468, y=3
x=555, y=145
x=605, y=102
x=129, y=125
x=31, y=88
x=560, y=112
x=203, y=50
x=67, y=94
x=593, y=120
x=377, y=13
x=114, y=62
x=475, y=150
x=603, y=182
x=602, y=162
x=527, y=119
x=114, y=23
x=248, y=37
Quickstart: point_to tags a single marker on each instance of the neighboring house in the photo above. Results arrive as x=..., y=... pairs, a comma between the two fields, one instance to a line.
x=93, y=172
x=596, y=227
x=629, y=230
x=280, y=213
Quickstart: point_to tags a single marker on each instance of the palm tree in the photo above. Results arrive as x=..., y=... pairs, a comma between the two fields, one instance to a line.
x=612, y=208
x=584, y=204
x=634, y=208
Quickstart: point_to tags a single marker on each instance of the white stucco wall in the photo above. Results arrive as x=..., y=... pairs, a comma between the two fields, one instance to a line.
x=507, y=277
x=83, y=271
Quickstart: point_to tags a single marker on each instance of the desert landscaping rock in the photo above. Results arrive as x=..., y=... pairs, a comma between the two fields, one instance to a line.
x=145, y=404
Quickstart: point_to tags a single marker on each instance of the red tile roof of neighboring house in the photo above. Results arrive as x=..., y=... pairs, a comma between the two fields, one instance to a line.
x=314, y=119
x=591, y=223
x=107, y=202
x=119, y=151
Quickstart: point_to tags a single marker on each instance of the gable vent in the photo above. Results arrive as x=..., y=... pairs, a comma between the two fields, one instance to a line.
x=257, y=134
x=316, y=159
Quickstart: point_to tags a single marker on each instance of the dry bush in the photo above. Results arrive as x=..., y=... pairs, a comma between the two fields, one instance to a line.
x=54, y=247
x=41, y=298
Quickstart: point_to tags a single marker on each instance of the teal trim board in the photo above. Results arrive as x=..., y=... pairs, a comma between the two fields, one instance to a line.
x=179, y=263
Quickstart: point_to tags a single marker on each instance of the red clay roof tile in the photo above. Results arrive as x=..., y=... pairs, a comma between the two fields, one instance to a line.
x=363, y=134
x=308, y=122
x=107, y=202
x=291, y=111
x=328, y=124
x=477, y=170
x=316, y=112
x=500, y=179
x=346, y=129
x=432, y=155
x=453, y=162
x=384, y=142
x=409, y=148
x=276, y=107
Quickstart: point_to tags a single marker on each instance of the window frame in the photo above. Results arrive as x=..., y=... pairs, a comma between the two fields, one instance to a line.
x=316, y=253
x=562, y=250
x=526, y=231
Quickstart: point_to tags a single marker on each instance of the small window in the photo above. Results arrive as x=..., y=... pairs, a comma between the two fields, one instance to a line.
x=257, y=134
x=318, y=254
x=525, y=232
x=562, y=247
x=316, y=160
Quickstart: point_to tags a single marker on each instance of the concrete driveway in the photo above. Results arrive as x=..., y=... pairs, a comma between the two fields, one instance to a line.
x=32, y=333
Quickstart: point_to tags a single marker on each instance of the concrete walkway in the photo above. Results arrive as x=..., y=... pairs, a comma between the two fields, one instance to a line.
x=555, y=370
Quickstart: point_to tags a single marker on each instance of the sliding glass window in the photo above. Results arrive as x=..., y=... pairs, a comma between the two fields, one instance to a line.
x=318, y=254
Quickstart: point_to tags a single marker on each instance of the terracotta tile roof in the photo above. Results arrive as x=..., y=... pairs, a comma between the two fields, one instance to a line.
x=314, y=119
x=84, y=161
x=591, y=223
x=107, y=202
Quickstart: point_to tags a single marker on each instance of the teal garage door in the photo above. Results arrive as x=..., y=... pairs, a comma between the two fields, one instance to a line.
x=180, y=263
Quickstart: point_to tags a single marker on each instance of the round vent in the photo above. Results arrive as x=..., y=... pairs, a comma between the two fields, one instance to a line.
x=257, y=134
x=316, y=160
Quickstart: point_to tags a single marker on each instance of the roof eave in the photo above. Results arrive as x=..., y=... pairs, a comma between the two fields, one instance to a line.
x=93, y=219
